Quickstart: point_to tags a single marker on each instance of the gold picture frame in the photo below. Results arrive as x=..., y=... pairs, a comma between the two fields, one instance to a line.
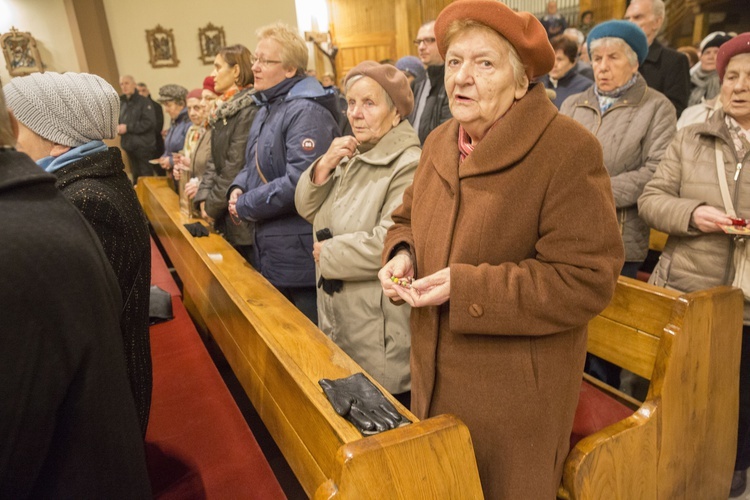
x=211, y=40
x=21, y=54
x=161, y=48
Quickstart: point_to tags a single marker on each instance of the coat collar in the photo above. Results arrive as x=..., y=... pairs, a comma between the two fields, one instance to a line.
x=391, y=145
x=17, y=170
x=99, y=165
x=506, y=143
x=632, y=97
x=654, y=52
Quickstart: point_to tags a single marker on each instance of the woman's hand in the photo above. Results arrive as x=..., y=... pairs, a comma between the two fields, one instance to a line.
x=432, y=290
x=400, y=266
x=341, y=147
x=191, y=188
x=317, y=247
x=165, y=163
x=707, y=218
x=233, y=196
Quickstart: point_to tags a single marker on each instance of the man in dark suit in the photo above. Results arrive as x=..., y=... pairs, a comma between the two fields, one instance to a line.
x=664, y=69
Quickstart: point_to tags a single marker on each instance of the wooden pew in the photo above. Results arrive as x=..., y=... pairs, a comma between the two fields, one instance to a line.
x=681, y=441
x=279, y=355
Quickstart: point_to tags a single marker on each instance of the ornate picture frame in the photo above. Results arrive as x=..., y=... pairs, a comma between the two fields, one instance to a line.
x=211, y=40
x=161, y=48
x=21, y=54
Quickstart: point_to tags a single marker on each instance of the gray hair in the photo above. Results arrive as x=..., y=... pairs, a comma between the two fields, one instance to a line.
x=351, y=81
x=610, y=41
x=7, y=137
x=659, y=9
x=575, y=35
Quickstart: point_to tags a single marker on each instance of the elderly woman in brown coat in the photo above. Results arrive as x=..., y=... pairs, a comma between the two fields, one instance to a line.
x=509, y=232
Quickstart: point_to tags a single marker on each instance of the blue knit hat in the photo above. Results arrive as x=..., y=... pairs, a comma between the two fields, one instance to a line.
x=625, y=30
x=412, y=64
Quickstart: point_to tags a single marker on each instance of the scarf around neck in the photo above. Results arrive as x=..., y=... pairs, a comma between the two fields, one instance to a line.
x=607, y=99
x=54, y=163
x=706, y=85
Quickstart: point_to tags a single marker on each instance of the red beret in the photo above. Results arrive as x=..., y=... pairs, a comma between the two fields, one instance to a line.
x=521, y=29
x=195, y=94
x=208, y=83
x=737, y=45
x=391, y=79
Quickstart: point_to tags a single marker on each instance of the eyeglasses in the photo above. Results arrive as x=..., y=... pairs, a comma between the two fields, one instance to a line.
x=426, y=41
x=263, y=61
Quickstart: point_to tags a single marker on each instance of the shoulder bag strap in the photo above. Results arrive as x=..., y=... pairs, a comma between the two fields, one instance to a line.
x=723, y=180
x=263, y=177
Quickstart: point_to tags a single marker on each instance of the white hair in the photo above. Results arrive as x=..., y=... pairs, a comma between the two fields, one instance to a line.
x=351, y=81
x=659, y=9
x=610, y=41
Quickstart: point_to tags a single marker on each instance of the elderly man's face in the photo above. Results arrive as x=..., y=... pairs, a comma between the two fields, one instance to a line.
x=735, y=89
x=427, y=46
x=127, y=85
x=34, y=145
x=641, y=12
x=479, y=81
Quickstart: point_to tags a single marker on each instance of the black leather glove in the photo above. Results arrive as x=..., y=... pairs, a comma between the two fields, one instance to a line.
x=360, y=402
x=329, y=286
x=196, y=229
x=159, y=305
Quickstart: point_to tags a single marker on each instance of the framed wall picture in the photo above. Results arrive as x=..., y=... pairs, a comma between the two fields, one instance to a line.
x=161, y=48
x=211, y=39
x=21, y=55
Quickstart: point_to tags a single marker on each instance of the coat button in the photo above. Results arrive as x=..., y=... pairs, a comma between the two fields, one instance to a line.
x=475, y=310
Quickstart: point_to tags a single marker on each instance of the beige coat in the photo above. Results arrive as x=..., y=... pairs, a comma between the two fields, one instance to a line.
x=685, y=179
x=527, y=226
x=634, y=133
x=356, y=203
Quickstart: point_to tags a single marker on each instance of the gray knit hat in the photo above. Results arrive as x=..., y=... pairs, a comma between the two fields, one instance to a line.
x=69, y=109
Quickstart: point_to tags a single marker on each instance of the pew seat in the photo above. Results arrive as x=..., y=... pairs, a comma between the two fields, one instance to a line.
x=680, y=442
x=197, y=442
x=279, y=356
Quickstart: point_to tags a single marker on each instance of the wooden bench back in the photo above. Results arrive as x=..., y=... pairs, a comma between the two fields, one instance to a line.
x=278, y=356
x=681, y=441
x=627, y=333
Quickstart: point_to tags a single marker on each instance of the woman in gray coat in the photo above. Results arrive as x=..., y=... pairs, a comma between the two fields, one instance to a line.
x=351, y=191
x=684, y=200
x=634, y=125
